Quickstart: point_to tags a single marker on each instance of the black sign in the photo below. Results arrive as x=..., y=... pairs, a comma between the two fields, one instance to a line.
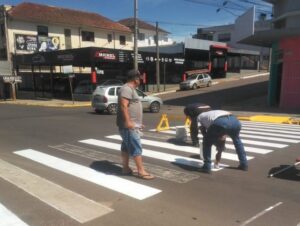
x=26, y=43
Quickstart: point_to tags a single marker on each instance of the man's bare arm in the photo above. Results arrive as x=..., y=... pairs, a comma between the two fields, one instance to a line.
x=124, y=103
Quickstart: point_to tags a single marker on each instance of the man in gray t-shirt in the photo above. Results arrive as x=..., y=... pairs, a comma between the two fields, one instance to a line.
x=129, y=121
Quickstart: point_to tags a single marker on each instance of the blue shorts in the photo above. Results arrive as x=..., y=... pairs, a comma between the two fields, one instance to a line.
x=131, y=141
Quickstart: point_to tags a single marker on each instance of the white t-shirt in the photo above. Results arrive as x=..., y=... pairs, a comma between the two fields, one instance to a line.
x=207, y=118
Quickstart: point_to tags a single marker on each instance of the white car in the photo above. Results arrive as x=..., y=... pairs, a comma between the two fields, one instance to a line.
x=195, y=81
x=105, y=98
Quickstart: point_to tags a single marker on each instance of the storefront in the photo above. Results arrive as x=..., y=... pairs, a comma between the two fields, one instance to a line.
x=44, y=74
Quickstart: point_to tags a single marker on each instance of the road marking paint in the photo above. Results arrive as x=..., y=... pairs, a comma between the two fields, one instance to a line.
x=261, y=143
x=72, y=204
x=270, y=138
x=269, y=130
x=157, y=171
x=230, y=146
x=152, y=154
x=261, y=213
x=269, y=134
x=126, y=187
x=277, y=125
x=8, y=218
x=182, y=148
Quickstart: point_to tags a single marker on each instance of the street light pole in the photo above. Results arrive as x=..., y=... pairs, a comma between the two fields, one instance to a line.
x=135, y=35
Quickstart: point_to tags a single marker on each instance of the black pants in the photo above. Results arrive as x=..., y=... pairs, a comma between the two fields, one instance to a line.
x=194, y=130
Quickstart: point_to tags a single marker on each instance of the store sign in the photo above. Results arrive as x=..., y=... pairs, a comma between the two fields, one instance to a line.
x=12, y=79
x=104, y=54
x=26, y=43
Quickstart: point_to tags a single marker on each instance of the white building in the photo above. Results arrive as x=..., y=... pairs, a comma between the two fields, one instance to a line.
x=147, y=33
x=29, y=27
x=227, y=34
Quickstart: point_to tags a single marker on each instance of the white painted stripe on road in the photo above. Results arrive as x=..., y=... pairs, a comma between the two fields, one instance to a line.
x=269, y=134
x=270, y=138
x=126, y=187
x=74, y=205
x=279, y=125
x=180, y=148
x=152, y=154
x=274, y=127
x=270, y=130
x=8, y=218
x=229, y=146
x=262, y=143
x=260, y=214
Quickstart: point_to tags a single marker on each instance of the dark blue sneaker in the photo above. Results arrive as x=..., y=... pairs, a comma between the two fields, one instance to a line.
x=243, y=167
x=205, y=169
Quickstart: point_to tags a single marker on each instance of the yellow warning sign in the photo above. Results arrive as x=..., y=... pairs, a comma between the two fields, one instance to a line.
x=163, y=123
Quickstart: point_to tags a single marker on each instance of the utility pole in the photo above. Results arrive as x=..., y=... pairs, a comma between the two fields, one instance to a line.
x=157, y=60
x=136, y=67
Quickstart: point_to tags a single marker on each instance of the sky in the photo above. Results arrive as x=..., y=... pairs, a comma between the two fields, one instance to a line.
x=179, y=17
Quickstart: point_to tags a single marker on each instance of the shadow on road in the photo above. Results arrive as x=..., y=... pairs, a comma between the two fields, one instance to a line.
x=292, y=173
x=250, y=98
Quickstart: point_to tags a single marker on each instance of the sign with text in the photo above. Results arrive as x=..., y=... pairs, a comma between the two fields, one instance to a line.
x=12, y=79
x=26, y=43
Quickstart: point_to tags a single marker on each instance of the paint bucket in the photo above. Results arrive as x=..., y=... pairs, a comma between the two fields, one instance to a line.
x=181, y=133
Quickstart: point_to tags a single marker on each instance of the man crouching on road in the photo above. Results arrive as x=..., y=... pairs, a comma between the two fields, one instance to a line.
x=215, y=124
x=192, y=111
x=129, y=121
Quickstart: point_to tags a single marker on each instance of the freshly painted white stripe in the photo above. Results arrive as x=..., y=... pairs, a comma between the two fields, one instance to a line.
x=270, y=138
x=271, y=130
x=181, y=148
x=229, y=146
x=274, y=127
x=271, y=124
x=8, y=218
x=269, y=134
x=152, y=154
x=260, y=214
x=250, y=142
x=112, y=182
x=74, y=205
x=262, y=143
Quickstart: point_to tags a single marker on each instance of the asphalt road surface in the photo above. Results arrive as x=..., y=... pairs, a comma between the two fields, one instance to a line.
x=62, y=167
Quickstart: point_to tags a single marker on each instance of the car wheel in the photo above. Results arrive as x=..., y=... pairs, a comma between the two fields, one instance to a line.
x=194, y=86
x=208, y=84
x=112, y=109
x=154, y=107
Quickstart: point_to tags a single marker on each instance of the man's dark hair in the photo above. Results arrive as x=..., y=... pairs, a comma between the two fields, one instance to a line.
x=133, y=75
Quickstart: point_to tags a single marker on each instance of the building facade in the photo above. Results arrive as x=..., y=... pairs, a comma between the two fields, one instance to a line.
x=284, y=38
x=240, y=55
x=28, y=28
x=147, y=33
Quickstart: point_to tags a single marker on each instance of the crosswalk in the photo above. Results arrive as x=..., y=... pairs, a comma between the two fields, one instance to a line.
x=259, y=139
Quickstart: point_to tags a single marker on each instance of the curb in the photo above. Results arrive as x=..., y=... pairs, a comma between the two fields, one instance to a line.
x=49, y=105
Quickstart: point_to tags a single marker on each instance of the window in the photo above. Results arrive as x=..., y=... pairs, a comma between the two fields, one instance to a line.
x=42, y=30
x=122, y=40
x=88, y=36
x=224, y=37
x=111, y=92
x=109, y=38
x=141, y=36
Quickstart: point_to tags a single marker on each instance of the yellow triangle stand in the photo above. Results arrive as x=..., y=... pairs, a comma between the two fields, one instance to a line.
x=187, y=122
x=163, y=123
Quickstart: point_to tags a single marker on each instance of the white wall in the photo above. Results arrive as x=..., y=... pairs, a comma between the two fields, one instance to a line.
x=19, y=27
